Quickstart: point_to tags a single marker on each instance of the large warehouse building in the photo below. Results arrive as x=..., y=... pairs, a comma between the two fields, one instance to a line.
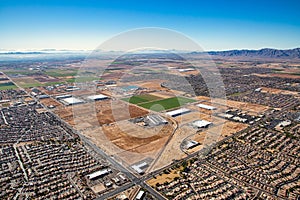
x=156, y=120
x=97, y=97
x=201, y=124
x=71, y=101
x=207, y=107
x=99, y=173
x=181, y=111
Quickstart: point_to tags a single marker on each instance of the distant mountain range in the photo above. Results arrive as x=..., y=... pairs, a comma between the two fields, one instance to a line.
x=262, y=53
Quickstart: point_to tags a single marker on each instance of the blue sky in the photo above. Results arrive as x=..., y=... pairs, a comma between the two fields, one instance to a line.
x=214, y=25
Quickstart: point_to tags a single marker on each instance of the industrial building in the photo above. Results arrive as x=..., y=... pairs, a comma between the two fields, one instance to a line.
x=140, y=168
x=72, y=88
x=97, y=97
x=43, y=96
x=63, y=96
x=190, y=144
x=207, y=107
x=228, y=116
x=201, y=124
x=71, y=101
x=140, y=195
x=99, y=173
x=181, y=111
x=156, y=120
x=186, y=70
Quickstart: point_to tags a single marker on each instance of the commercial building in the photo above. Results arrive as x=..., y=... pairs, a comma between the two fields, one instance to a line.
x=97, y=97
x=181, y=111
x=99, y=173
x=201, y=124
x=71, y=101
x=43, y=96
x=207, y=107
x=156, y=120
x=140, y=168
x=140, y=195
x=190, y=144
x=63, y=96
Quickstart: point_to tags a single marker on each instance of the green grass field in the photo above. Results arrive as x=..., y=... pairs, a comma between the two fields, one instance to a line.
x=82, y=79
x=7, y=86
x=160, y=105
x=143, y=98
x=61, y=73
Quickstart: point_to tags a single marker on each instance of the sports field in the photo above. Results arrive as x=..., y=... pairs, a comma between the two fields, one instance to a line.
x=143, y=98
x=156, y=103
x=166, y=104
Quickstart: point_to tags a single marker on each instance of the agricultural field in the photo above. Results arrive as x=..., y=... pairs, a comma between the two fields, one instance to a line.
x=7, y=86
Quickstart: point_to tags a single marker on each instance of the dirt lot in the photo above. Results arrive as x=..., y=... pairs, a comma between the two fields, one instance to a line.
x=130, y=137
x=279, y=75
x=98, y=188
x=161, y=179
x=172, y=150
x=151, y=85
x=227, y=129
x=163, y=95
x=50, y=101
x=278, y=91
x=110, y=130
x=254, y=108
x=111, y=111
x=192, y=116
x=106, y=112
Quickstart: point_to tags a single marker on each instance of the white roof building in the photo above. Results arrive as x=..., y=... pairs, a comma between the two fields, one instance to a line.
x=191, y=144
x=97, y=97
x=71, y=101
x=156, y=120
x=140, y=168
x=178, y=112
x=236, y=118
x=207, y=107
x=186, y=70
x=201, y=123
x=225, y=115
x=63, y=96
x=140, y=195
x=101, y=172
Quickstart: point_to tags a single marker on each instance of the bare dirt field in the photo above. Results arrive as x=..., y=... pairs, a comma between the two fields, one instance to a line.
x=203, y=98
x=106, y=112
x=278, y=91
x=50, y=101
x=161, y=179
x=151, y=85
x=173, y=150
x=112, y=132
x=217, y=133
x=227, y=129
x=192, y=116
x=111, y=111
x=98, y=188
x=223, y=105
x=129, y=137
x=279, y=75
x=163, y=95
x=255, y=108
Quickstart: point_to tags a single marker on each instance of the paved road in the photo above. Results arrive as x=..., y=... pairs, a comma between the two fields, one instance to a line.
x=134, y=179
